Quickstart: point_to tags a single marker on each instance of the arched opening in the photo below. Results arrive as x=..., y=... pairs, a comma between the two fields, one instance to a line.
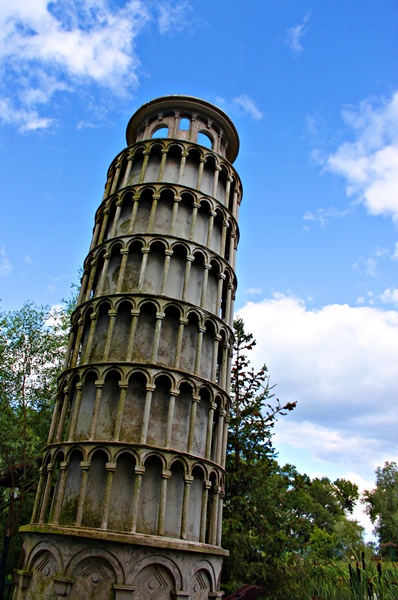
x=143, y=212
x=108, y=407
x=95, y=491
x=182, y=412
x=145, y=333
x=208, y=175
x=174, y=499
x=202, y=223
x=133, y=410
x=159, y=409
x=195, y=505
x=168, y=338
x=205, y=139
x=72, y=489
x=148, y=512
x=191, y=169
x=185, y=124
x=176, y=274
x=87, y=403
x=100, y=335
x=153, y=165
x=164, y=211
x=202, y=418
x=173, y=163
x=196, y=279
x=154, y=269
x=160, y=132
x=121, y=333
x=133, y=267
x=122, y=493
x=189, y=342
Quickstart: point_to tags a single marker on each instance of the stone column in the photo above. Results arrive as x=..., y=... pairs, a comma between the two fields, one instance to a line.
x=110, y=468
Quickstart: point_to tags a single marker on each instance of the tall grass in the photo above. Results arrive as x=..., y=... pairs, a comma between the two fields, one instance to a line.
x=355, y=581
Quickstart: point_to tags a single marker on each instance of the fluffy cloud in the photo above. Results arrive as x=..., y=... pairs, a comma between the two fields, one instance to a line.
x=369, y=163
x=340, y=364
x=294, y=35
x=48, y=47
x=244, y=104
x=5, y=264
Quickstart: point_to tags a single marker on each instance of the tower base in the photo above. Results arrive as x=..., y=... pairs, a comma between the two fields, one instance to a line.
x=82, y=564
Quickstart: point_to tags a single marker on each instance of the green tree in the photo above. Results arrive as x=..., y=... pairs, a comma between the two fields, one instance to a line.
x=381, y=504
x=252, y=515
x=32, y=348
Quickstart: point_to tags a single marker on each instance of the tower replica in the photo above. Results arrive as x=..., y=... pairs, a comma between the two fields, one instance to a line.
x=129, y=503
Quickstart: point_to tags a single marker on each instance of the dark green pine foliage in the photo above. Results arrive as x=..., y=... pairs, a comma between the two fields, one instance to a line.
x=253, y=514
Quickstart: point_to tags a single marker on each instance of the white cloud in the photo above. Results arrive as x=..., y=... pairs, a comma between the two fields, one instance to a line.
x=253, y=291
x=339, y=363
x=390, y=296
x=295, y=34
x=369, y=163
x=28, y=260
x=48, y=47
x=324, y=215
x=173, y=17
x=395, y=253
x=247, y=106
x=5, y=264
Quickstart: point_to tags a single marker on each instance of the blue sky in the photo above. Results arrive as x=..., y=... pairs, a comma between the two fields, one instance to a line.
x=313, y=90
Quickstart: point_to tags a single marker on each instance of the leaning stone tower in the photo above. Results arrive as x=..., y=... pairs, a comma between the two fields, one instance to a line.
x=129, y=503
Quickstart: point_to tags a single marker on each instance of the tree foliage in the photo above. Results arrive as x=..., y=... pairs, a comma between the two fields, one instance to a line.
x=32, y=348
x=381, y=504
x=276, y=520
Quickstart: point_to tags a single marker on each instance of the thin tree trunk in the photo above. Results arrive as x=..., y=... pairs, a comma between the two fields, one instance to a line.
x=3, y=562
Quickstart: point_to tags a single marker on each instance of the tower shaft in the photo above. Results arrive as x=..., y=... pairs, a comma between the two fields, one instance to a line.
x=129, y=502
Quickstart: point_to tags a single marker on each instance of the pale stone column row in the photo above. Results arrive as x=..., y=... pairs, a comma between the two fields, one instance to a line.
x=106, y=229
x=219, y=368
x=212, y=494
x=120, y=171
x=99, y=270
x=67, y=432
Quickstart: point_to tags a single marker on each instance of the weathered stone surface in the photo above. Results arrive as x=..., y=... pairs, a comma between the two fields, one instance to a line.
x=129, y=503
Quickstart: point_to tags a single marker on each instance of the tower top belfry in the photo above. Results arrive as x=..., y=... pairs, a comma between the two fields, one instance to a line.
x=129, y=502
x=205, y=118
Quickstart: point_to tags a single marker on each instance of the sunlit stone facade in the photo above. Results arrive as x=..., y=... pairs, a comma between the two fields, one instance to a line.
x=129, y=503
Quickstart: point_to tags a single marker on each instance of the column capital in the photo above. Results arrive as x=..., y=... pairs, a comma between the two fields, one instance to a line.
x=110, y=466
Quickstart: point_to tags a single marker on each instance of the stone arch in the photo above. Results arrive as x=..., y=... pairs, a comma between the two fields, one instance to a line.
x=101, y=331
x=202, y=417
x=159, y=411
x=143, y=211
x=108, y=406
x=95, y=572
x=145, y=332
x=218, y=224
x=44, y=563
x=112, y=272
x=215, y=437
x=164, y=211
x=177, y=270
x=195, y=504
x=212, y=286
x=182, y=412
x=136, y=166
x=95, y=490
x=154, y=270
x=191, y=169
x=206, y=363
x=183, y=222
x=123, y=487
x=189, y=342
x=133, y=266
x=196, y=275
x=173, y=162
x=72, y=488
x=202, y=222
x=222, y=185
x=133, y=409
x=202, y=580
x=169, y=335
x=158, y=575
x=121, y=331
x=154, y=160
x=87, y=403
x=174, y=500
x=208, y=175
x=148, y=511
